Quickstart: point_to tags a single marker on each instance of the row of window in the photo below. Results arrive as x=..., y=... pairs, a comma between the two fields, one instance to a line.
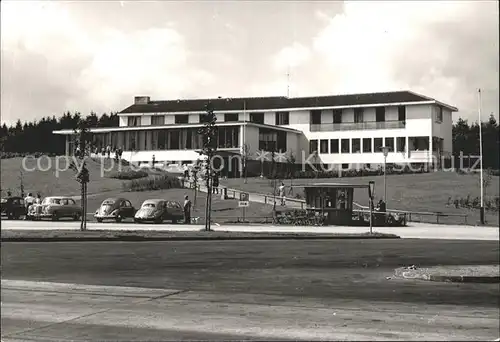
x=281, y=118
x=172, y=139
x=357, y=145
x=272, y=140
x=316, y=117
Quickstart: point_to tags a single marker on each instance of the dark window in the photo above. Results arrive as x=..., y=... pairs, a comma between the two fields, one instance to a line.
x=174, y=139
x=400, y=144
x=367, y=145
x=282, y=118
x=439, y=114
x=203, y=118
x=162, y=137
x=345, y=166
x=157, y=120
x=257, y=118
x=356, y=145
x=380, y=114
x=344, y=146
x=189, y=139
x=183, y=119
x=358, y=115
x=315, y=117
x=334, y=146
x=134, y=121
x=377, y=144
x=337, y=116
x=281, y=141
x=323, y=146
x=402, y=113
x=230, y=117
x=313, y=146
x=268, y=139
x=389, y=142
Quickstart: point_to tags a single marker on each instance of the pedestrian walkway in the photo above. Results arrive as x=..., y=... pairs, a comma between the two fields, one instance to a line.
x=256, y=197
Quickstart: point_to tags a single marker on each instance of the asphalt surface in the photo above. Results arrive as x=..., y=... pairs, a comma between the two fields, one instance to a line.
x=414, y=230
x=331, y=289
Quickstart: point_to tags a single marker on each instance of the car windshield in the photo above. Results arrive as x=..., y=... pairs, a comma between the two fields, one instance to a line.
x=108, y=202
x=51, y=201
x=149, y=205
x=173, y=205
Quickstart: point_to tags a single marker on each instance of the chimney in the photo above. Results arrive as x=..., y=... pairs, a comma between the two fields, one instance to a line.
x=141, y=99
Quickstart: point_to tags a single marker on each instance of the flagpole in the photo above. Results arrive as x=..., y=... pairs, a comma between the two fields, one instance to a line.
x=481, y=214
x=244, y=146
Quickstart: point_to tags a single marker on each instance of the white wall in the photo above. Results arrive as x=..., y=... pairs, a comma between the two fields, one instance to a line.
x=193, y=118
x=145, y=120
x=123, y=121
x=269, y=118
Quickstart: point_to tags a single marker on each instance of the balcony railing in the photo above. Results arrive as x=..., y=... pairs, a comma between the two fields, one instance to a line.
x=356, y=126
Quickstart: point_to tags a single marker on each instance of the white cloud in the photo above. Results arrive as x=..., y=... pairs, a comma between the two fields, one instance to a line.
x=72, y=67
x=441, y=49
x=291, y=56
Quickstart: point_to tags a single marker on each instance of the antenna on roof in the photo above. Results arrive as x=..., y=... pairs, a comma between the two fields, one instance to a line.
x=288, y=82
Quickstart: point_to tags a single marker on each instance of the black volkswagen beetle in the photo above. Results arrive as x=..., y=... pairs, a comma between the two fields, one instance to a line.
x=116, y=208
x=13, y=207
x=158, y=210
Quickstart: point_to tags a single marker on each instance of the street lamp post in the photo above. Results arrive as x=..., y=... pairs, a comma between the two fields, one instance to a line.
x=481, y=209
x=371, y=192
x=385, y=150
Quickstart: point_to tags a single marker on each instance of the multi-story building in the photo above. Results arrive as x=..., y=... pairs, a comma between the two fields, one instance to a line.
x=341, y=130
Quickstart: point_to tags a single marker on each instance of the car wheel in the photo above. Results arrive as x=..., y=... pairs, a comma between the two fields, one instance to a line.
x=174, y=221
x=159, y=220
x=118, y=219
x=55, y=217
x=137, y=221
x=99, y=220
x=76, y=217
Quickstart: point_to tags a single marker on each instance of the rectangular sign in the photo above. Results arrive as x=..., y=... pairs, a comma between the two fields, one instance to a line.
x=243, y=204
x=244, y=196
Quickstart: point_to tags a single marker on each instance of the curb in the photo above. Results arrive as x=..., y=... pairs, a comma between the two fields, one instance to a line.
x=465, y=279
x=137, y=238
x=415, y=275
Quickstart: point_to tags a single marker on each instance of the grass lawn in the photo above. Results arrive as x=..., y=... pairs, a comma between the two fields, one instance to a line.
x=418, y=192
x=51, y=182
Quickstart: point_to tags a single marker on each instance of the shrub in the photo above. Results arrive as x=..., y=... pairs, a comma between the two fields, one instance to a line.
x=153, y=183
x=129, y=174
x=8, y=155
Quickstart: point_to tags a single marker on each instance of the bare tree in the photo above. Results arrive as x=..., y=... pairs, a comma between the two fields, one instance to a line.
x=290, y=159
x=245, y=151
x=209, y=134
x=82, y=176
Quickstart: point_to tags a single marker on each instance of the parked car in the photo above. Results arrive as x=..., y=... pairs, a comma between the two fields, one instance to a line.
x=158, y=210
x=115, y=209
x=13, y=207
x=55, y=207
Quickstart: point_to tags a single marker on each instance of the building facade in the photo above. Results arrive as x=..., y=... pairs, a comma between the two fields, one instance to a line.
x=345, y=131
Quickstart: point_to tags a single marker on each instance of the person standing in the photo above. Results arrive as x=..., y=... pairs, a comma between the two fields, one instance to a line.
x=28, y=202
x=187, y=210
x=282, y=193
x=215, y=183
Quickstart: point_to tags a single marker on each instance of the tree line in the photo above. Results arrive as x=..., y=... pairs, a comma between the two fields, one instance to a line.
x=37, y=136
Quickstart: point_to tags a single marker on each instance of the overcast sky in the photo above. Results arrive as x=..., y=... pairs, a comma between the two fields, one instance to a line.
x=84, y=55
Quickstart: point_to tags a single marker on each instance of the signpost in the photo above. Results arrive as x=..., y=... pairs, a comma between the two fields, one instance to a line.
x=244, y=202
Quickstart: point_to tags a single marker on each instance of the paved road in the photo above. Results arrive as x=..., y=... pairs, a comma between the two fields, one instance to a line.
x=303, y=290
x=415, y=230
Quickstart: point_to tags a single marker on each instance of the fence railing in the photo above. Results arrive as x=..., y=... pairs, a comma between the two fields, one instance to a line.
x=412, y=216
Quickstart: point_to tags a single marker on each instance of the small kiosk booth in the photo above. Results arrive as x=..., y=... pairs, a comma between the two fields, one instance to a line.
x=333, y=201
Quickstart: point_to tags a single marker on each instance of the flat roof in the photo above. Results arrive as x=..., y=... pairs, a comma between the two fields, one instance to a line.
x=175, y=126
x=334, y=185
